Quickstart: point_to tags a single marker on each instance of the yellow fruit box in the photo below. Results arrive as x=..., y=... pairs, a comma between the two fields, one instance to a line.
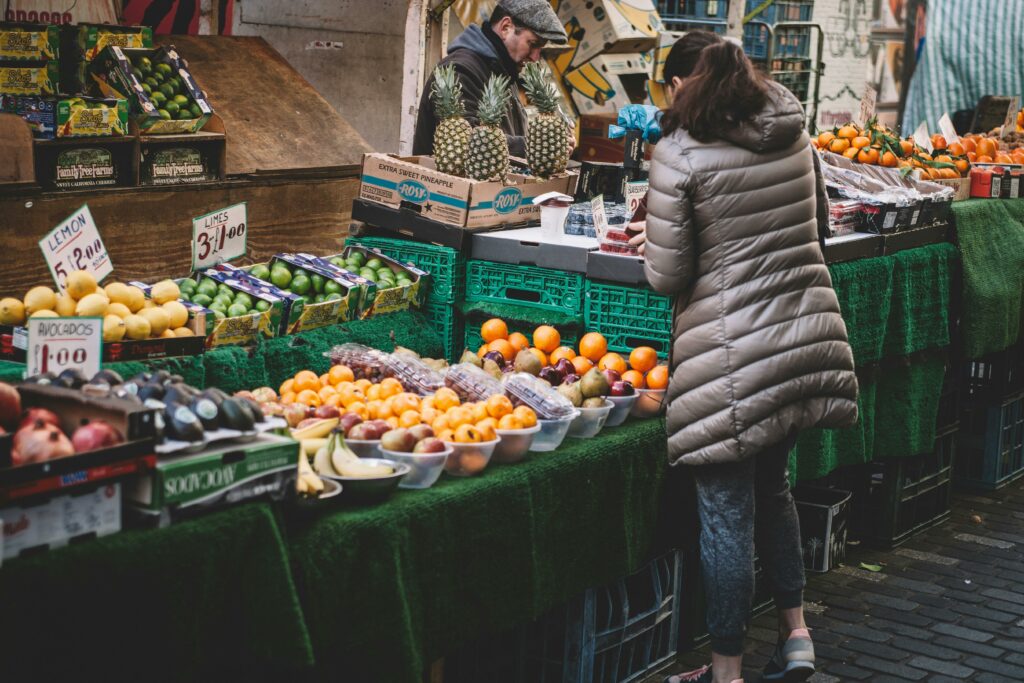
x=414, y=184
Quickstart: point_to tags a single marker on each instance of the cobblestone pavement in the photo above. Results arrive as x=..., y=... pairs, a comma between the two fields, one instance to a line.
x=947, y=606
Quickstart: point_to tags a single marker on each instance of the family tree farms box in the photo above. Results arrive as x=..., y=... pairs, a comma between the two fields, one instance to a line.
x=413, y=183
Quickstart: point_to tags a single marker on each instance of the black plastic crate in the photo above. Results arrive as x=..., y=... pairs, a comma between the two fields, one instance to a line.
x=991, y=445
x=950, y=403
x=995, y=376
x=824, y=517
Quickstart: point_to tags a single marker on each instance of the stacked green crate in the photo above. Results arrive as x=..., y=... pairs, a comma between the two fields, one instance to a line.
x=629, y=316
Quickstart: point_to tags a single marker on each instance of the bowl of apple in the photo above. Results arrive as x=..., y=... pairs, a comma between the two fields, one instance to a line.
x=418, y=448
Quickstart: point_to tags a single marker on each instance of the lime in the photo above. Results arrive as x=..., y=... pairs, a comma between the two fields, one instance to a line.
x=219, y=315
x=260, y=271
x=218, y=306
x=262, y=306
x=333, y=296
x=207, y=290
x=164, y=114
x=171, y=107
x=137, y=72
x=208, y=281
x=357, y=257
x=237, y=310
x=368, y=274
x=181, y=100
x=165, y=69
x=187, y=284
x=374, y=264
x=158, y=98
x=144, y=64
x=301, y=283
x=184, y=115
x=338, y=261
x=146, y=89
x=332, y=287
x=280, y=276
x=185, y=296
x=318, y=282
x=168, y=90
x=196, y=111
x=151, y=82
x=244, y=299
x=223, y=301
x=202, y=300
x=224, y=289
x=318, y=299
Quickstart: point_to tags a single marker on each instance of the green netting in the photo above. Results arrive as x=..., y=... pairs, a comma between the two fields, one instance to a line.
x=991, y=235
x=907, y=405
x=189, y=367
x=864, y=289
x=233, y=368
x=919, y=314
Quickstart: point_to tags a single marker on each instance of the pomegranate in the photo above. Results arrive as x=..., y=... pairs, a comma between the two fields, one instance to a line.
x=32, y=415
x=94, y=435
x=10, y=405
x=39, y=442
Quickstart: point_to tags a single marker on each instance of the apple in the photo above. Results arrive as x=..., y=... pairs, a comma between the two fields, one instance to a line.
x=621, y=388
x=496, y=357
x=294, y=413
x=430, y=445
x=565, y=367
x=551, y=375
x=264, y=395
x=420, y=432
x=361, y=432
x=571, y=379
x=324, y=412
x=399, y=440
x=612, y=376
x=348, y=421
x=378, y=427
x=308, y=421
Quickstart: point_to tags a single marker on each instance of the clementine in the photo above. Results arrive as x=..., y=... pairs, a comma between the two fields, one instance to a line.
x=582, y=364
x=525, y=415
x=560, y=353
x=546, y=338
x=503, y=347
x=657, y=378
x=593, y=346
x=494, y=329
x=306, y=379
x=518, y=341
x=634, y=377
x=643, y=358
x=612, y=361
x=498, y=406
x=340, y=373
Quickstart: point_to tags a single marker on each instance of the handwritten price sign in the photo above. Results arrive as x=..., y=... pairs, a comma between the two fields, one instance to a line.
x=57, y=344
x=74, y=245
x=218, y=236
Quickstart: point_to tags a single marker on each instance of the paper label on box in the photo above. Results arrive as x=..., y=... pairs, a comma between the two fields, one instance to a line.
x=948, y=131
x=58, y=344
x=219, y=236
x=890, y=220
x=1014, y=188
x=921, y=137
x=635, y=192
x=1010, y=122
x=600, y=218
x=73, y=245
x=997, y=186
x=917, y=214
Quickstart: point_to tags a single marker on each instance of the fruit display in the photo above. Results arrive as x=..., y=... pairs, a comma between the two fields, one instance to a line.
x=373, y=365
x=877, y=145
x=451, y=137
x=220, y=298
x=375, y=268
x=165, y=89
x=50, y=117
x=32, y=42
x=547, y=140
x=398, y=285
x=487, y=152
x=29, y=78
x=126, y=311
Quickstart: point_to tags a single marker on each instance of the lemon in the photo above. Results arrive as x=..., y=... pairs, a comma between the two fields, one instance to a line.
x=136, y=299
x=168, y=334
x=44, y=313
x=12, y=311
x=118, y=293
x=183, y=332
x=149, y=304
x=65, y=306
x=136, y=327
x=120, y=310
x=114, y=328
x=158, y=319
x=92, y=306
x=80, y=284
x=40, y=298
x=164, y=291
x=178, y=313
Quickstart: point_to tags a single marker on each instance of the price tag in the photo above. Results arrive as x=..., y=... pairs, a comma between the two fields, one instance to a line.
x=947, y=129
x=73, y=245
x=57, y=344
x=635, y=192
x=921, y=137
x=1010, y=122
x=867, y=104
x=600, y=219
x=218, y=236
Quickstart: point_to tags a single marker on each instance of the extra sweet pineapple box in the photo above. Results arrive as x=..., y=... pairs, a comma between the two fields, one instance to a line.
x=414, y=184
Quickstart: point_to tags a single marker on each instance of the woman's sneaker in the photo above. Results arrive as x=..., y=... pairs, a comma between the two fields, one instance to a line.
x=701, y=675
x=793, y=660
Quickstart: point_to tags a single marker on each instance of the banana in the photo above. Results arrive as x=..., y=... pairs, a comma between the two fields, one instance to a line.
x=311, y=446
x=307, y=482
x=312, y=482
x=317, y=430
x=347, y=464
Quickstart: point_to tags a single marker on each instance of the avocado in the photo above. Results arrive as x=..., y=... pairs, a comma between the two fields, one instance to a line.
x=72, y=378
x=207, y=412
x=109, y=376
x=181, y=424
x=235, y=416
x=253, y=408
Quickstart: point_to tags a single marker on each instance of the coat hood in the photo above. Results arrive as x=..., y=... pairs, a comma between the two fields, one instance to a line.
x=777, y=126
x=473, y=38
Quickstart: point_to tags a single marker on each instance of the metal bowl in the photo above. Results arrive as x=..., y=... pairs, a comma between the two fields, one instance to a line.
x=330, y=496
x=375, y=490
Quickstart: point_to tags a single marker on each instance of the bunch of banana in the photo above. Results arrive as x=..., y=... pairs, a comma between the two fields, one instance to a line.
x=307, y=483
x=335, y=459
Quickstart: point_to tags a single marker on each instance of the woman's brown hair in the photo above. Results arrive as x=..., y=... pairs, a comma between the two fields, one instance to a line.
x=724, y=91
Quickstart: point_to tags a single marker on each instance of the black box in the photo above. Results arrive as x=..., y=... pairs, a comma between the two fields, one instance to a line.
x=597, y=177
x=824, y=514
x=84, y=163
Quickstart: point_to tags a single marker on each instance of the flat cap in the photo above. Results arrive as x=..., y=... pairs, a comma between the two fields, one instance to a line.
x=539, y=17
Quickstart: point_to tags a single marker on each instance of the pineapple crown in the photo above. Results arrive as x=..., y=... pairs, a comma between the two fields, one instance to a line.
x=537, y=83
x=446, y=93
x=494, y=100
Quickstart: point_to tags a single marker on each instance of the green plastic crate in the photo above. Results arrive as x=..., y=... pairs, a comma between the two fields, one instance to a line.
x=474, y=340
x=629, y=317
x=447, y=320
x=541, y=288
x=446, y=266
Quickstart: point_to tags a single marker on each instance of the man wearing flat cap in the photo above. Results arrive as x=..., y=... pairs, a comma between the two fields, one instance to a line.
x=513, y=37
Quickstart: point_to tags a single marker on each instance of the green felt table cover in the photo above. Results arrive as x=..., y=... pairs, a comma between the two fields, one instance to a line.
x=991, y=236
x=206, y=598
x=388, y=589
x=191, y=368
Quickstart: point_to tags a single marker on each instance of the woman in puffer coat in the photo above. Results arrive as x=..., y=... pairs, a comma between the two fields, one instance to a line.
x=759, y=349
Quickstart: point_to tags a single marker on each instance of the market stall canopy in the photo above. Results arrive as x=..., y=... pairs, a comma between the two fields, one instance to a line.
x=275, y=120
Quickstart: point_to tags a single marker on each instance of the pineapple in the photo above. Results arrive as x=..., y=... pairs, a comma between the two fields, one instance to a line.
x=487, y=158
x=547, y=143
x=451, y=137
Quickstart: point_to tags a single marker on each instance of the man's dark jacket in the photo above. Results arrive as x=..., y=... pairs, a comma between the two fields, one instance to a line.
x=477, y=53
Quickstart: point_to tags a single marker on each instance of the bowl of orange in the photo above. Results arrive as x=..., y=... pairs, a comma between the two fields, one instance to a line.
x=649, y=403
x=469, y=459
x=552, y=433
x=514, y=443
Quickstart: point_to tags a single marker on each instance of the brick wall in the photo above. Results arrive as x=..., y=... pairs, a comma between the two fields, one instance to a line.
x=847, y=29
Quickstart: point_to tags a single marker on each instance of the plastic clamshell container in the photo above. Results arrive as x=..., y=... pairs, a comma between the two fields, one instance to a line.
x=590, y=421
x=649, y=403
x=469, y=459
x=552, y=433
x=471, y=383
x=538, y=394
x=514, y=443
x=364, y=362
x=621, y=405
x=365, y=449
x=412, y=373
x=425, y=468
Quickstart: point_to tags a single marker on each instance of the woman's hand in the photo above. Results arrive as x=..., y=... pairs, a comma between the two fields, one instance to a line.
x=640, y=240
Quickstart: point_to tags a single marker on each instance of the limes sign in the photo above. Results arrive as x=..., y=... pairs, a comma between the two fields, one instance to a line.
x=58, y=344
x=219, y=236
x=73, y=245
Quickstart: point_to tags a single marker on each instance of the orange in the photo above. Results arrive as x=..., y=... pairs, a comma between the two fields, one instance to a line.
x=487, y=427
x=546, y=338
x=286, y=387
x=593, y=345
x=365, y=384
x=541, y=356
x=582, y=365
x=956, y=149
x=612, y=361
x=373, y=408
x=405, y=401
x=518, y=341
x=969, y=145
x=479, y=411
x=359, y=408
x=494, y=329
x=340, y=373
x=860, y=141
x=392, y=422
x=634, y=377
x=848, y=132
x=309, y=397
x=851, y=153
x=427, y=402
x=482, y=351
x=1003, y=158
x=326, y=392
x=499, y=406
x=324, y=380
x=839, y=145
x=333, y=400
x=643, y=358
x=351, y=396
x=963, y=166
x=428, y=415
x=468, y=433
x=938, y=142
x=447, y=435
x=440, y=424
x=983, y=159
x=288, y=397
x=388, y=406
x=868, y=155
x=459, y=416
x=889, y=160
x=305, y=379
x=445, y=398
x=972, y=157
x=503, y=347
x=390, y=387
x=825, y=138
x=944, y=158
x=949, y=173
x=525, y=415
x=409, y=418
x=560, y=353
x=657, y=378
x=510, y=422
x=907, y=147
x=373, y=393
x=987, y=147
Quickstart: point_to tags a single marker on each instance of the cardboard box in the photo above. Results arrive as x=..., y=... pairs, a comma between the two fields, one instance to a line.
x=62, y=519
x=314, y=315
x=29, y=78
x=285, y=309
x=605, y=26
x=997, y=181
x=605, y=178
x=607, y=83
x=115, y=76
x=962, y=187
x=530, y=247
x=20, y=41
x=92, y=39
x=665, y=41
x=181, y=159
x=222, y=475
x=381, y=301
x=413, y=183
x=61, y=117
x=72, y=164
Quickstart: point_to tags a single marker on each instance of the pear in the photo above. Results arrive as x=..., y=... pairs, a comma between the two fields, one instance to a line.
x=527, y=362
x=573, y=392
x=471, y=358
x=596, y=402
x=492, y=368
x=594, y=384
